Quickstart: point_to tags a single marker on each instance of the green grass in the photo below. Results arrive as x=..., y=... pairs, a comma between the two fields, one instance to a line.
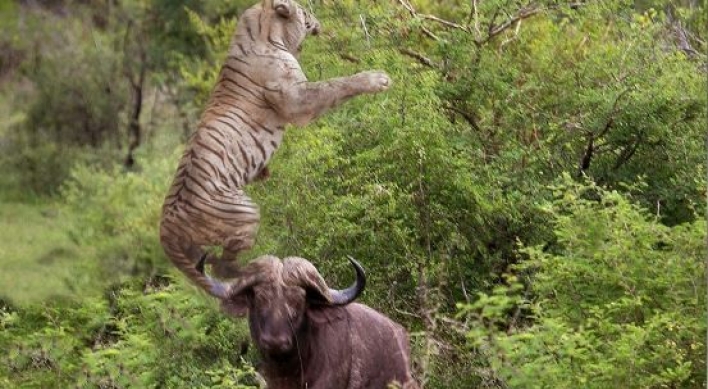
x=37, y=258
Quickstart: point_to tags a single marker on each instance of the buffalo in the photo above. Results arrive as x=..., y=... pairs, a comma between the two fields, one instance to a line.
x=311, y=336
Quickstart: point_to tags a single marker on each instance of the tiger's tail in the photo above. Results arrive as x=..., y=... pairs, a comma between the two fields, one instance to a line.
x=187, y=257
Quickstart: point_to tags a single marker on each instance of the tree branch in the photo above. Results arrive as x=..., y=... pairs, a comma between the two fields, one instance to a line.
x=611, y=119
x=524, y=13
x=493, y=29
x=407, y=5
x=591, y=149
x=469, y=118
x=683, y=43
x=587, y=156
x=681, y=34
x=349, y=58
x=420, y=57
x=628, y=152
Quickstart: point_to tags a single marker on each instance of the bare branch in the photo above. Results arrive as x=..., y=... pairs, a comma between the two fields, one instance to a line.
x=495, y=15
x=495, y=30
x=476, y=17
x=467, y=116
x=420, y=57
x=611, y=119
x=349, y=58
x=628, y=152
x=591, y=148
x=516, y=35
x=406, y=313
x=429, y=33
x=366, y=30
x=444, y=22
x=682, y=40
x=587, y=156
x=683, y=43
x=407, y=5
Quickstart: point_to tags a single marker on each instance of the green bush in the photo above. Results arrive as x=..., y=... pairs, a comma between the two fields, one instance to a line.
x=433, y=184
x=117, y=214
x=79, y=92
x=139, y=335
x=617, y=301
x=67, y=100
x=442, y=187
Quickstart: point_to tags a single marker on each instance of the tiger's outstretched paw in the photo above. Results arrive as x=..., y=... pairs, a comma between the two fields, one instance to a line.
x=376, y=81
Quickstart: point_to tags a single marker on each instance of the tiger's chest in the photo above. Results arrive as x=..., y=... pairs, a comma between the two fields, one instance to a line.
x=236, y=152
x=257, y=151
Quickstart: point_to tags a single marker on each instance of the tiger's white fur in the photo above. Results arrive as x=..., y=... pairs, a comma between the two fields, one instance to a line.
x=260, y=89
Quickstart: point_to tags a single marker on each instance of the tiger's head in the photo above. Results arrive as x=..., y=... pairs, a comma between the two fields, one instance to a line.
x=283, y=24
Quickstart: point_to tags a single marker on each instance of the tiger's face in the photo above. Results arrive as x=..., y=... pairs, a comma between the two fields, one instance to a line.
x=283, y=24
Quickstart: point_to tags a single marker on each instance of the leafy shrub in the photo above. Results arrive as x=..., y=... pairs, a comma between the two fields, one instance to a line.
x=118, y=214
x=440, y=186
x=78, y=91
x=67, y=100
x=618, y=301
x=12, y=46
x=139, y=335
x=38, y=169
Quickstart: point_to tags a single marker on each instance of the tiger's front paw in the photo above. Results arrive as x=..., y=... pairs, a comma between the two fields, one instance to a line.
x=376, y=81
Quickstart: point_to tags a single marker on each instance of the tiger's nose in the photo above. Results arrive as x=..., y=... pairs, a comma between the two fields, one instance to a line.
x=315, y=29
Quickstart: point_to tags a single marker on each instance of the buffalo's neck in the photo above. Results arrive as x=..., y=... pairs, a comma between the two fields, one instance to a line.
x=284, y=382
x=287, y=372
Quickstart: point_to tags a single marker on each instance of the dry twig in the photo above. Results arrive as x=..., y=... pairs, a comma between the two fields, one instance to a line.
x=420, y=57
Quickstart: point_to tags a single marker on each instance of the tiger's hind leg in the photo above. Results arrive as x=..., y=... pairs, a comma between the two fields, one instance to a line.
x=239, y=240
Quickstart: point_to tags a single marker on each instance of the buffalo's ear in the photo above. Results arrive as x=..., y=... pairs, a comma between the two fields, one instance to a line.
x=236, y=306
x=283, y=8
x=315, y=297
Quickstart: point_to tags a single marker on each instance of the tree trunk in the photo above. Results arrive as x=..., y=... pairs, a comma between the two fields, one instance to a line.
x=134, y=128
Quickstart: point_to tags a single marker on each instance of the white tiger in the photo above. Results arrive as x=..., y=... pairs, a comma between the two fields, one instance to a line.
x=260, y=89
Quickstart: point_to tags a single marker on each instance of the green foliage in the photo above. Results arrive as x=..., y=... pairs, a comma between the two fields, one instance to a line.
x=433, y=184
x=10, y=42
x=67, y=99
x=118, y=214
x=166, y=26
x=77, y=96
x=140, y=335
x=38, y=259
x=617, y=301
x=198, y=74
x=604, y=101
x=445, y=187
x=84, y=75
x=37, y=170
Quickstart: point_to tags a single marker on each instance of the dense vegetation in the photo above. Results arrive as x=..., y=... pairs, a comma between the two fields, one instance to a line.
x=528, y=199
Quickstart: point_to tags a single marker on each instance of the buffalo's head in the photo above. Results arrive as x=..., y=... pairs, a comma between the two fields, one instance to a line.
x=276, y=295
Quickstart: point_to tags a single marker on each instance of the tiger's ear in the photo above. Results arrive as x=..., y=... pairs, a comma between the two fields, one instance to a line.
x=283, y=8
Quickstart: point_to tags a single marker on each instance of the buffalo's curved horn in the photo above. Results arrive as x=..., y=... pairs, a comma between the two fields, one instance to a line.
x=216, y=288
x=346, y=296
x=224, y=290
x=299, y=271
